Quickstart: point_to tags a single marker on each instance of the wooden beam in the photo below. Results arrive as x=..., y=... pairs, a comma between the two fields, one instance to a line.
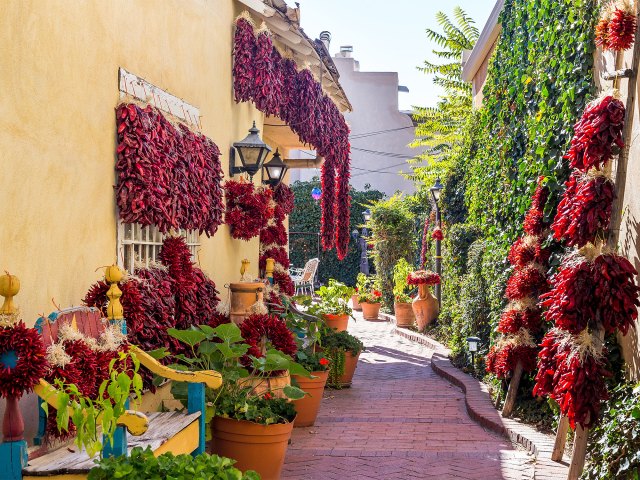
x=579, y=453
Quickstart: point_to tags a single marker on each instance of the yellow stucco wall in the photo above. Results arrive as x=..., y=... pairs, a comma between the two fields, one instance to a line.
x=59, y=84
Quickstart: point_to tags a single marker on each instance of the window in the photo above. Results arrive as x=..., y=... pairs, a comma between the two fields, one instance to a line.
x=138, y=246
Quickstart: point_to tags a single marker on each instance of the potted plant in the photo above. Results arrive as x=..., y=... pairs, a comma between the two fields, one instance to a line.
x=253, y=429
x=370, y=298
x=361, y=282
x=333, y=307
x=402, y=307
x=343, y=350
x=307, y=407
x=425, y=306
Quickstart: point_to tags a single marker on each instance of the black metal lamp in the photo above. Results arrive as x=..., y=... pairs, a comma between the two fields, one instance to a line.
x=252, y=151
x=436, y=190
x=275, y=169
x=367, y=215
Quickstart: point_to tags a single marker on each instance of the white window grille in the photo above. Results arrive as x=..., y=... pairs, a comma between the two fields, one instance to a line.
x=138, y=246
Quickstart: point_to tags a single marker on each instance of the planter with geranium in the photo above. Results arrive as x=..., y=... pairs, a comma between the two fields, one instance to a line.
x=343, y=350
x=370, y=301
x=425, y=306
x=402, y=306
x=308, y=407
x=253, y=429
x=333, y=307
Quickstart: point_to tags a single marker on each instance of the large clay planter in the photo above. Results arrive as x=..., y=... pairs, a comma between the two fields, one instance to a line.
x=307, y=408
x=370, y=311
x=337, y=322
x=425, y=307
x=243, y=297
x=350, y=364
x=356, y=303
x=262, y=385
x=404, y=314
x=255, y=447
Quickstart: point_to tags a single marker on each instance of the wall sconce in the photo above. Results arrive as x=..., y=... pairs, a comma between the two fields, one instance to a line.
x=275, y=170
x=252, y=151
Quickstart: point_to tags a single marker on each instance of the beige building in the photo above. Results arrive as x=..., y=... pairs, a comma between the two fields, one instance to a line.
x=380, y=132
x=65, y=66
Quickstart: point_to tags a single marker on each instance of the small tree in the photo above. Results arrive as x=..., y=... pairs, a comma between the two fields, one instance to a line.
x=392, y=236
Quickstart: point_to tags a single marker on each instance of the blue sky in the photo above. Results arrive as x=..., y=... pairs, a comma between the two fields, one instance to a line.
x=388, y=35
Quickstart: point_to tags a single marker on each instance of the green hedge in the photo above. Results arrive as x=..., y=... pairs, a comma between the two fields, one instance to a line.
x=306, y=218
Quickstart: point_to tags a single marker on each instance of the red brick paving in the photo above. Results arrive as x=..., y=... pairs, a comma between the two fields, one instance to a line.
x=399, y=421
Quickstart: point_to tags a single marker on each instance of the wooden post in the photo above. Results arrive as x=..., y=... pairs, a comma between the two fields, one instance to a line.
x=621, y=166
x=561, y=439
x=510, y=401
x=579, y=453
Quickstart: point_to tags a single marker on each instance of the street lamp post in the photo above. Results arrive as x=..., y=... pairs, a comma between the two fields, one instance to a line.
x=435, y=194
x=364, y=258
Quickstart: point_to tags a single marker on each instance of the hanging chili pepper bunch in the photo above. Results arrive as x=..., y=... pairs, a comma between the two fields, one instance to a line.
x=244, y=48
x=616, y=29
x=571, y=370
x=437, y=234
x=595, y=134
x=258, y=330
x=425, y=242
x=166, y=176
x=522, y=318
x=585, y=208
x=273, y=240
x=276, y=87
x=247, y=208
x=267, y=75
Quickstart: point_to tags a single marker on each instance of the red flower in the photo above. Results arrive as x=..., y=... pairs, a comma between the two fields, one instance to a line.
x=267, y=396
x=377, y=293
x=323, y=361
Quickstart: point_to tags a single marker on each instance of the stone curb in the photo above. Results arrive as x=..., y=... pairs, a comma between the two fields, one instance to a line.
x=481, y=410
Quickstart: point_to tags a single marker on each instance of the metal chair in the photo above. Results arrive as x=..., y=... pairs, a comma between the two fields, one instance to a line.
x=304, y=278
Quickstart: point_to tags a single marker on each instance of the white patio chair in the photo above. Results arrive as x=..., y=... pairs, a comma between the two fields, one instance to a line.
x=304, y=278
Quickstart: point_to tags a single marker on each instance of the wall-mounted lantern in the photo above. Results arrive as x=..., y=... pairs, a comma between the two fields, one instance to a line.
x=252, y=151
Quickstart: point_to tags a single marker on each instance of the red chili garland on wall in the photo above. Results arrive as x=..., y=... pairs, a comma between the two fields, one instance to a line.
x=31, y=365
x=297, y=97
x=167, y=176
x=522, y=318
x=247, y=208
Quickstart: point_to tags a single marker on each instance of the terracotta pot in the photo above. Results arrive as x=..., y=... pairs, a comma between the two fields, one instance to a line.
x=370, y=311
x=243, y=297
x=255, y=447
x=425, y=307
x=356, y=304
x=263, y=385
x=350, y=364
x=337, y=322
x=404, y=314
x=307, y=408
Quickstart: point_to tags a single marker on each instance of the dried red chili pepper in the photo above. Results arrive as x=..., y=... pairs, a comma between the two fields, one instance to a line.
x=248, y=208
x=599, y=128
x=584, y=210
x=621, y=29
x=244, y=50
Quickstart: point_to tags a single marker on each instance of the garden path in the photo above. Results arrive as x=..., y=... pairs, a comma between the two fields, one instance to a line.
x=399, y=420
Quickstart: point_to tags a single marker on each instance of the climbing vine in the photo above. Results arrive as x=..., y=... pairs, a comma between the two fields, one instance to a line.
x=539, y=81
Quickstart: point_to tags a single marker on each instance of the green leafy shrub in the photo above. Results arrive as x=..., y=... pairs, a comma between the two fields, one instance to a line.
x=336, y=345
x=306, y=218
x=334, y=299
x=143, y=465
x=392, y=225
x=614, y=451
x=401, y=289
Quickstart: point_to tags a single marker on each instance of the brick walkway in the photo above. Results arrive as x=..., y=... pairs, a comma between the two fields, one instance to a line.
x=399, y=421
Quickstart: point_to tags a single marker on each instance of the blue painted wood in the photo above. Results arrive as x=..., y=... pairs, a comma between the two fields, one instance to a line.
x=9, y=359
x=196, y=403
x=119, y=446
x=42, y=423
x=13, y=458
